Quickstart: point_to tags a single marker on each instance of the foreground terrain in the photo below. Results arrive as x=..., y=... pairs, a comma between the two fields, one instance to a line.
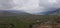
x=24, y=21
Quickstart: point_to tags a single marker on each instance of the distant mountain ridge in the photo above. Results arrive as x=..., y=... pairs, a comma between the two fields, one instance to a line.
x=54, y=12
x=19, y=12
x=12, y=12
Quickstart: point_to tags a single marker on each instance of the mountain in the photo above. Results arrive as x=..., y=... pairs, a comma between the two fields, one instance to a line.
x=57, y=12
x=53, y=12
x=12, y=12
x=19, y=12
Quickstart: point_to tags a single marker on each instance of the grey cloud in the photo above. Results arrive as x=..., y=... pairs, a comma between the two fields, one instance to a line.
x=6, y=4
x=30, y=6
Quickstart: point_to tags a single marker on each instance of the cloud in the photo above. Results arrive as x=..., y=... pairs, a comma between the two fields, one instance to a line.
x=6, y=4
x=31, y=6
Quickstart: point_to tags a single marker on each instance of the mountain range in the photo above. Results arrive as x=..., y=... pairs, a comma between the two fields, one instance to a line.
x=53, y=12
x=12, y=12
x=19, y=12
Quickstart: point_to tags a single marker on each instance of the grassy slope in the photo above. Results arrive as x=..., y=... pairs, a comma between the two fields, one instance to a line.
x=23, y=21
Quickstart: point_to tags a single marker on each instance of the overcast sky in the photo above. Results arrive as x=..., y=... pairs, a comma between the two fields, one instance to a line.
x=30, y=6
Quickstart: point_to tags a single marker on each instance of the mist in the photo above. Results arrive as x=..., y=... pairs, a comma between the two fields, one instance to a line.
x=30, y=6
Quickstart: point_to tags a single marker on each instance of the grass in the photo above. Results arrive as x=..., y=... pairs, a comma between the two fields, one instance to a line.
x=23, y=21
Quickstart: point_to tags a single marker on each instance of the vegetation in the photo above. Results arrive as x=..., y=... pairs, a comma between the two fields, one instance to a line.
x=23, y=21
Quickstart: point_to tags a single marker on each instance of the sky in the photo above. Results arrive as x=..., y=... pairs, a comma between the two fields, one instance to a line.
x=30, y=6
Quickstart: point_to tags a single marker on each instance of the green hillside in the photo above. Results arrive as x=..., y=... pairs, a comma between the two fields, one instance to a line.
x=23, y=21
